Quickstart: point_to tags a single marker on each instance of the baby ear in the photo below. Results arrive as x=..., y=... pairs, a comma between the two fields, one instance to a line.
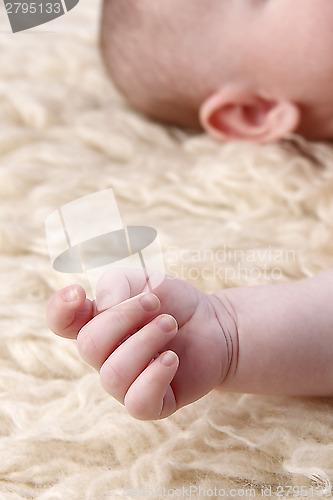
x=239, y=113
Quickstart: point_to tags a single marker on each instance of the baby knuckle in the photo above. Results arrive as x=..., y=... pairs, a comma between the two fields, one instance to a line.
x=86, y=346
x=121, y=316
x=108, y=279
x=113, y=379
x=138, y=408
x=145, y=342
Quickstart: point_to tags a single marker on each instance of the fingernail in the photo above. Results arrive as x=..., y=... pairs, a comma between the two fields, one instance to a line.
x=105, y=301
x=166, y=323
x=149, y=302
x=168, y=358
x=70, y=294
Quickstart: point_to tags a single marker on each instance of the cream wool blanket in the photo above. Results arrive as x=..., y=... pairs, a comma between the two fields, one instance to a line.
x=233, y=214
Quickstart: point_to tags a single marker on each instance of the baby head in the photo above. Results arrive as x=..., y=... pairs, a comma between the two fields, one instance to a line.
x=241, y=69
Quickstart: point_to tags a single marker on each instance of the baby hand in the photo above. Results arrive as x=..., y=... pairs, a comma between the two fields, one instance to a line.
x=155, y=352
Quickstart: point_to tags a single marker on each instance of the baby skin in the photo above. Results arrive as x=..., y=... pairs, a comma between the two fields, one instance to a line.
x=157, y=351
x=255, y=70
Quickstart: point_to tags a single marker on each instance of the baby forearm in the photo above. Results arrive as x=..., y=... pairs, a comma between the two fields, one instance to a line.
x=285, y=338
